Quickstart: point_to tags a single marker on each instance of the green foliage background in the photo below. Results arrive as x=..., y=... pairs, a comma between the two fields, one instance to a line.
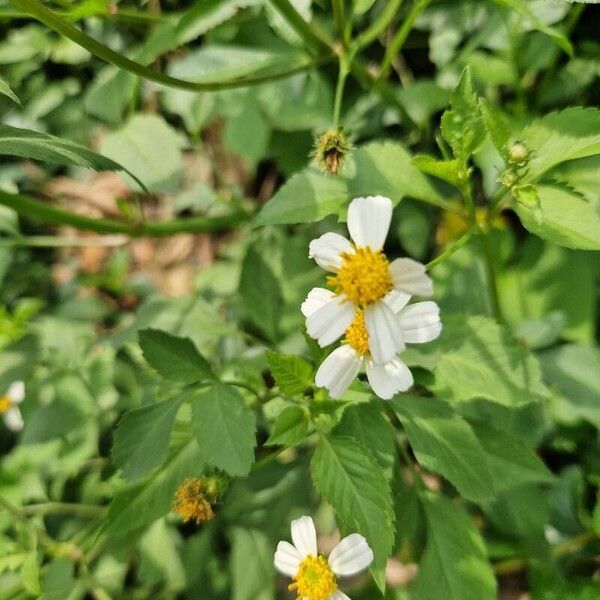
x=476, y=117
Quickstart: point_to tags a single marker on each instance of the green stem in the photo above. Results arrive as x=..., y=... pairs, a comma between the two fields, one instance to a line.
x=376, y=28
x=58, y=24
x=125, y=15
x=338, y=16
x=398, y=40
x=451, y=250
x=52, y=508
x=339, y=91
x=49, y=241
x=41, y=211
x=491, y=275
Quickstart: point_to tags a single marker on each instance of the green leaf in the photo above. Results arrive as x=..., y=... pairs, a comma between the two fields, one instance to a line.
x=174, y=358
x=6, y=91
x=349, y=478
x=382, y=168
x=251, y=565
x=362, y=6
x=224, y=427
x=486, y=362
x=445, y=443
x=150, y=149
x=563, y=217
x=582, y=175
x=462, y=124
x=145, y=501
x=291, y=427
x=293, y=374
x=57, y=580
x=454, y=565
x=261, y=293
x=495, y=126
x=142, y=437
x=560, y=136
x=447, y=170
x=48, y=148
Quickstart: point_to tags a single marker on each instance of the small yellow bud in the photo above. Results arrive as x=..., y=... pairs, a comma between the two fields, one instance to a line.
x=330, y=151
x=508, y=178
x=518, y=154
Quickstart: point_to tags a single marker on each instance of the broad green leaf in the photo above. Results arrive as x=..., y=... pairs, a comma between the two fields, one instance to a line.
x=573, y=372
x=145, y=501
x=582, y=175
x=376, y=168
x=150, y=149
x=445, y=443
x=422, y=99
x=560, y=136
x=349, y=478
x=486, y=362
x=367, y=424
x=142, y=437
x=174, y=358
x=224, y=428
x=251, y=565
x=495, y=126
x=57, y=581
x=462, y=124
x=291, y=427
x=563, y=217
x=293, y=374
x=454, y=565
x=6, y=91
x=447, y=170
x=261, y=293
x=48, y=148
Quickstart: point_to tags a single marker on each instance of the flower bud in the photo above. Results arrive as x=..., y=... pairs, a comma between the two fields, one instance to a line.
x=518, y=154
x=508, y=178
x=330, y=151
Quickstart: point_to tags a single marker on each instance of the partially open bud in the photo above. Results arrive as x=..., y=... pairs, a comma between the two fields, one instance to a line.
x=508, y=178
x=330, y=151
x=194, y=499
x=518, y=154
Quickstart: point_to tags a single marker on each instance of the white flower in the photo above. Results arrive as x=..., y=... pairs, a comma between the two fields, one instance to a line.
x=9, y=406
x=362, y=278
x=314, y=576
x=418, y=323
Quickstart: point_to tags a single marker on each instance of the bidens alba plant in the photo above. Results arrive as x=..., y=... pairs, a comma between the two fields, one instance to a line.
x=368, y=304
x=314, y=576
x=9, y=406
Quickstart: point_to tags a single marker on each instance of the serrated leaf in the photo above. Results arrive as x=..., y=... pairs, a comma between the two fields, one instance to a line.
x=454, y=565
x=462, y=124
x=486, y=362
x=445, y=443
x=224, y=428
x=6, y=91
x=291, y=427
x=349, y=478
x=376, y=168
x=293, y=374
x=563, y=217
x=174, y=358
x=447, y=170
x=261, y=293
x=142, y=437
x=495, y=126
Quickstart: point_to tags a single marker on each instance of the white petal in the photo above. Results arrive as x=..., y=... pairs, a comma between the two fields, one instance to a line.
x=396, y=300
x=338, y=595
x=317, y=297
x=330, y=321
x=16, y=392
x=351, y=556
x=389, y=379
x=287, y=559
x=409, y=277
x=338, y=371
x=304, y=536
x=327, y=250
x=369, y=220
x=420, y=322
x=385, y=333
x=13, y=419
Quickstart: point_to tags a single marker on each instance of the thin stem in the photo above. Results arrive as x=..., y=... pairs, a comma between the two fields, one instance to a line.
x=48, y=241
x=376, y=28
x=491, y=275
x=451, y=249
x=339, y=92
x=338, y=16
x=51, y=508
x=398, y=41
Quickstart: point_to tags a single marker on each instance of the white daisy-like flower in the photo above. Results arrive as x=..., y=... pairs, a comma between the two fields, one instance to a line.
x=418, y=323
x=362, y=278
x=314, y=576
x=9, y=406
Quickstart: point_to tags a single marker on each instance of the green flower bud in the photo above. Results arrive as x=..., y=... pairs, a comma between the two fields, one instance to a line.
x=518, y=154
x=508, y=178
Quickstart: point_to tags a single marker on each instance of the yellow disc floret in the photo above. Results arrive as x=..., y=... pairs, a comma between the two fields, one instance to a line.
x=5, y=404
x=191, y=503
x=356, y=334
x=364, y=276
x=314, y=580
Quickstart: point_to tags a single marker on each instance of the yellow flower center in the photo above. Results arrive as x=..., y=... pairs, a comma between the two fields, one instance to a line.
x=5, y=404
x=314, y=579
x=191, y=503
x=356, y=334
x=364, y=276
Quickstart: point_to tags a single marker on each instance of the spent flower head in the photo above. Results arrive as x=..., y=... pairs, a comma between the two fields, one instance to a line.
x=195, y=497
x=330, y=150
